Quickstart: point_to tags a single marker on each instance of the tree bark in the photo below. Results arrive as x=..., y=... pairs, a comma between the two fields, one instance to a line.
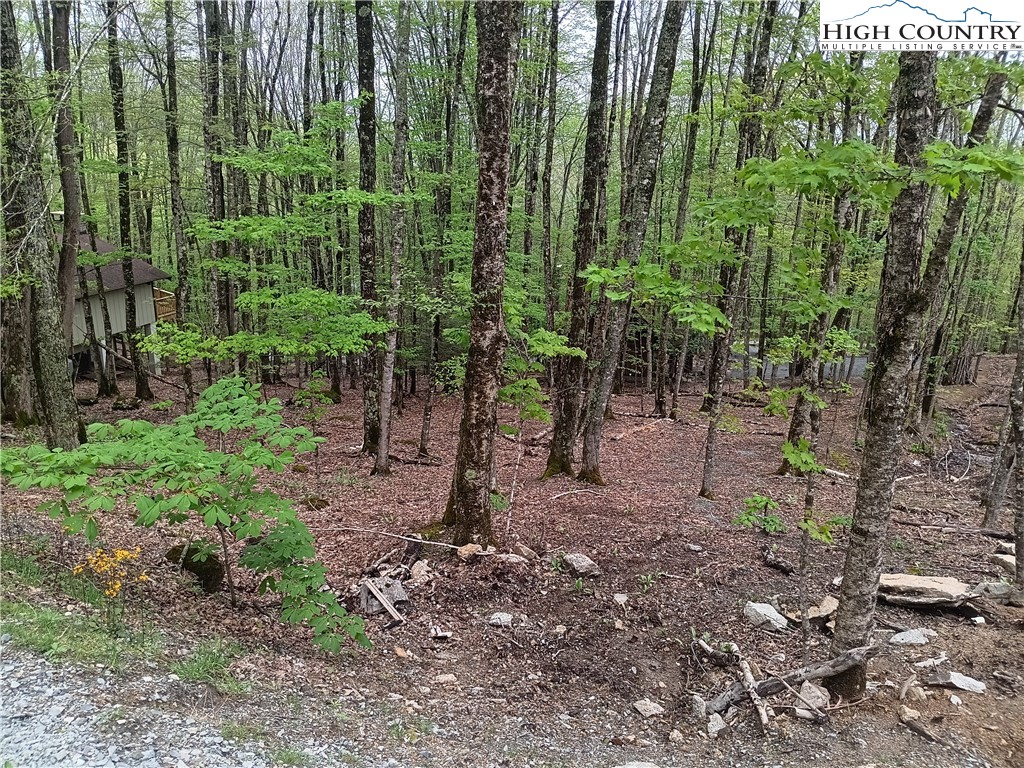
x=67, y=156
x=367, y=214
x=943, y=246
x=469, y=503
x=124, y=202
x=28, y=243
x=569, y=370
x=387, y=379
x=902, y=304
x=1017, y=445
x=749, y=144
x=633, y=228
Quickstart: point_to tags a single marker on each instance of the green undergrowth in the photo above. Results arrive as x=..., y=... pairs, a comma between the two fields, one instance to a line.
x=210, y=663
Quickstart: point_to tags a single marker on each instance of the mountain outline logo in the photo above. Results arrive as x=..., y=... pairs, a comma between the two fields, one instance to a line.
x=911, y=6
x=933, y=25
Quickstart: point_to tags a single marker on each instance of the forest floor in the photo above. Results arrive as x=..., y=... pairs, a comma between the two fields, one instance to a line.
x=557, y=687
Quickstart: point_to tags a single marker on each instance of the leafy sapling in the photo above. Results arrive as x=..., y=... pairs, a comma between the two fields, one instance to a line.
x=171, y=474
x=760, y=512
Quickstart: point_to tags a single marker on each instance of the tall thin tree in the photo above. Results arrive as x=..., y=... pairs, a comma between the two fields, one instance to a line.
x=902, y=303
x=124, y=201
x=367, y=131
x=569, y=370
x=387, y=380
x=469, y=502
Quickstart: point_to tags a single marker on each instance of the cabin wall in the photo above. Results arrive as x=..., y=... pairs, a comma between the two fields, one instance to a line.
x=145, y=311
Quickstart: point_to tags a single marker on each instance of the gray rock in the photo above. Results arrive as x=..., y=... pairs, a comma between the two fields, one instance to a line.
x=956, y=680
x=698, y=706
x=648, y=708
x=523, y=551
x=500, y=619
x=635, y=764
x=994, y=590
x=716, y=724
x=581, y=565
x=1007, y=562
x=762, y=614
x=906, y=589
x=920, y=636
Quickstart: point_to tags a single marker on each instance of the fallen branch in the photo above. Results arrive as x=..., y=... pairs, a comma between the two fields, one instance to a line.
x=382, y=533
x=156, y=376
x=819, y=716
x=570, y=493
x=839, y=475
x=920, y=730
x=750, y=685
x=383, y=600
x=822, y=669
x=424, y=461
x=718, y=658
x=966, y=531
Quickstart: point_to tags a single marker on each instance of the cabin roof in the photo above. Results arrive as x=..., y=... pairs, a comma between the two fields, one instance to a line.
x=113, y=275
x=85, y=243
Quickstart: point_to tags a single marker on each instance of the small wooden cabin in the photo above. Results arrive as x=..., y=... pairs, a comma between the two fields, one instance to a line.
x=151, y=303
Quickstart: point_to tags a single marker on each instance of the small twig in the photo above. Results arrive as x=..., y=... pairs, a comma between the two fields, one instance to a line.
x=970, y=461
x=570, y=493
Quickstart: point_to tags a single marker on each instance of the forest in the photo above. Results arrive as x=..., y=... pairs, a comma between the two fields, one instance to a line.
x=504, y=383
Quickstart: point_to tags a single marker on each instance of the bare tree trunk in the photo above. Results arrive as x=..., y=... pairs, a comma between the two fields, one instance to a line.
x=633, y=228
x=124, y=203
x=67, y=156
x=469, y=503
x=401, y=78
x=549, y=152
x=943, y=246
x=181, y=306
x=749, y=144
x=367, y=214
x=569, y=370
x=901, y=306
x=28, y=242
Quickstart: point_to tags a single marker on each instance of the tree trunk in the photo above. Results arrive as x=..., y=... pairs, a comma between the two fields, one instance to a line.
x=902, y=304
x=1017, y=423
x=633, y=228
x=469, y=503
x=569, y=370
x=749, y=144
x=124, y=203
x=943, y=246
x=549, y=152
x=28, y=242
x=387, y=380
x=67, y=156
x=367, y=214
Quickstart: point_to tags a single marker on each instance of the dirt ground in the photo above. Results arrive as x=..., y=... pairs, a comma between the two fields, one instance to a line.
x=557, y=687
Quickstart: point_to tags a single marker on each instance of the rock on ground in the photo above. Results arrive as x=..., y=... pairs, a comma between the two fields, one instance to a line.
x=921, y=636
x=582, y=565
x=760, y=614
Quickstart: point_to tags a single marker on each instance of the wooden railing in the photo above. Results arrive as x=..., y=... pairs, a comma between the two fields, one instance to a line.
x=166, y=305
